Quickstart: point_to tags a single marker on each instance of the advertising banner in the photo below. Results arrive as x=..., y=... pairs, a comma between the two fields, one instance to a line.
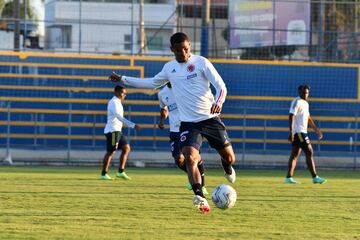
x=269, y=23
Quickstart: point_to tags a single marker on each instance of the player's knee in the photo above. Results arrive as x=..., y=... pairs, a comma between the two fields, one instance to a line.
x=191, y=159
x=179, y=160
x=309, y=153
x=126, y=148
x=110, y=153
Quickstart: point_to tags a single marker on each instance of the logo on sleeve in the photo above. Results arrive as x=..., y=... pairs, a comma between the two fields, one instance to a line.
x=191, y=68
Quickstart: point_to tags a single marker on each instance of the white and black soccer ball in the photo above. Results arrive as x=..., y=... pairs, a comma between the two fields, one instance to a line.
x=224, y=196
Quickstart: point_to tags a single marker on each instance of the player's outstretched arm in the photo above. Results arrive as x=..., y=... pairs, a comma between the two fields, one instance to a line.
x=158, y=80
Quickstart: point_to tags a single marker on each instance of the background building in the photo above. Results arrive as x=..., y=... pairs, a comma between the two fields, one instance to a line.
x=108, y=27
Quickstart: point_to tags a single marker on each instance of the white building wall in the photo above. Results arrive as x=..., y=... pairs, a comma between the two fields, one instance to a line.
x=104, y=26
x=7, y=40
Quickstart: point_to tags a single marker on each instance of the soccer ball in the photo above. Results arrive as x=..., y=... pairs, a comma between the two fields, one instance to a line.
x=224, y=196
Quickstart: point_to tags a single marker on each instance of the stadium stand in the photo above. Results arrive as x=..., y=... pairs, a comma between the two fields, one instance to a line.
x=59, y=100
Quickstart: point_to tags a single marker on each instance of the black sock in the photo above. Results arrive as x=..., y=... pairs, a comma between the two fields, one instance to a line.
x=202, y=172
x=197, y=189
x=103, y=172
x=121, y=170
x=226, y=166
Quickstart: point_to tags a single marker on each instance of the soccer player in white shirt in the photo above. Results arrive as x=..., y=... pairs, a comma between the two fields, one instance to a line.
x=168, y=108
x=190, y=77
x=115, y=139
x=299, y=118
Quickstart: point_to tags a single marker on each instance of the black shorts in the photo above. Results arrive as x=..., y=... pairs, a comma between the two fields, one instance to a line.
x=191, y=134
x=301, y=140
x=175, y=143
x=114, y=140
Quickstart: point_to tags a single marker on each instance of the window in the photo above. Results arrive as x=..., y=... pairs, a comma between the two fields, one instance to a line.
x=127, y=42
x=154, y=43
x=58, y=36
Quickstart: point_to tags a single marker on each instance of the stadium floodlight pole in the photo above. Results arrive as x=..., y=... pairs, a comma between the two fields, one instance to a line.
x=273, y=27
x=181, y=15
x=357, y=12
x=142, y=31
x=132, y=27
x=205, y=14
x=17, y=26
x=320, y=31
x=80, y=26
x=24, y=43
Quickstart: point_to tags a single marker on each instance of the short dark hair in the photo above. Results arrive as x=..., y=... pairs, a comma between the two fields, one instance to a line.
x=118, y=89
x=301, y=87
x=306, y=87
x=178, y=37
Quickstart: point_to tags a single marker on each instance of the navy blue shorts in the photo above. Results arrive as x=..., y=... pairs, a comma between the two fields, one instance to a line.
x=192, y=134
x=175, y=143
x=301, y=140
x=114, y=140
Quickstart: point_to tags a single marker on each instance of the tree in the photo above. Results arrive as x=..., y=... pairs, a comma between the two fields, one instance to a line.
x=7, y=9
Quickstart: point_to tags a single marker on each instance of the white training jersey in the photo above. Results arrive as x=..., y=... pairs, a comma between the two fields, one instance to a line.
x=115, y=116
x=167, y=100
x=300, y=108
x=190, y=83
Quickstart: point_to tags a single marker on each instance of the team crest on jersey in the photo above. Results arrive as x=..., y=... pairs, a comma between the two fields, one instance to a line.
x=191, y=68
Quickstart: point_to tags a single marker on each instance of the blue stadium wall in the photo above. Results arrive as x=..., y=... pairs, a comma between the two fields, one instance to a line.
x=39, y=88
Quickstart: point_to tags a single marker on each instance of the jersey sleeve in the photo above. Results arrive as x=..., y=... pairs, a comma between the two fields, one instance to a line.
x=161, y=101
x=158, y=80
x=294, y=107
x=117, y=113
x=214, y=77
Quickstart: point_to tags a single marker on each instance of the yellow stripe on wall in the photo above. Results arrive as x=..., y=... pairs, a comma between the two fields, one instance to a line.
x=68, y=65
x=73, y=89
x=24, y=55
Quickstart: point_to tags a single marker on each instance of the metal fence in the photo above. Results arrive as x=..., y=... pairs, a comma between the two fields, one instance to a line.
x=256, y=140
x=306, y=30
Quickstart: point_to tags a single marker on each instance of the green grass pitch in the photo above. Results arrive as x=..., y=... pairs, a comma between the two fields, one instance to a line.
x=71, y=203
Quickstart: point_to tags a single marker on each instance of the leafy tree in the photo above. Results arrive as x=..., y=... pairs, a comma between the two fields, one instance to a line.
x=7, y=10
